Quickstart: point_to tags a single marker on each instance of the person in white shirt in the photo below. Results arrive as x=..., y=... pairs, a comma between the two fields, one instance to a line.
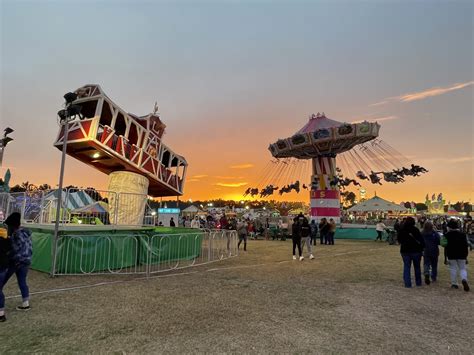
x=195, y=223
x=380, y=227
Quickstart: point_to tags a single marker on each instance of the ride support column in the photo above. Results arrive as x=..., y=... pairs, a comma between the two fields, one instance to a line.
x=324, y=198
x=127, y=198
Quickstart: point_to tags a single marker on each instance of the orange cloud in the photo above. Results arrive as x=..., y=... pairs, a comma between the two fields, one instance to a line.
x=236, y=184
x=421, y=95
x=199, y=176
x=433, y=92
x=192, y=180
x=228, y=177
x=242, y=166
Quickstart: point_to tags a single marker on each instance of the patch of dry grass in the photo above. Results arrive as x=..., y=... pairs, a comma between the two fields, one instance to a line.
x=350, y=299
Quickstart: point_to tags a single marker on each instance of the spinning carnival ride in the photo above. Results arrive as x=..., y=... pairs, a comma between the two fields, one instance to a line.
x=318, y=143
x=127, y=147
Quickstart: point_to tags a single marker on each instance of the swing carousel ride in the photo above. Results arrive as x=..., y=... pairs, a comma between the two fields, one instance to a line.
x=362, y=157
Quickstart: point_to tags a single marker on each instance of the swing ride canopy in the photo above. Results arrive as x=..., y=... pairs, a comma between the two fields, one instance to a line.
x=322, y=136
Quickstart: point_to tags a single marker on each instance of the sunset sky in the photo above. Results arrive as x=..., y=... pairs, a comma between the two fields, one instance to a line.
x=231, y=77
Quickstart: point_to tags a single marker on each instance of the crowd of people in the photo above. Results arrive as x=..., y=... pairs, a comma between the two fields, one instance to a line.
x=416, y=245
x=304, y=234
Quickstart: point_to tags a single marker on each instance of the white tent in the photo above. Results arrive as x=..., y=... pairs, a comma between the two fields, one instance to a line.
x=190, y=211
x=376, y=204
x=71, y=200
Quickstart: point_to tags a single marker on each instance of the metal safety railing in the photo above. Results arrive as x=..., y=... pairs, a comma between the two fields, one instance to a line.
x=78, y=206
x=140, y=253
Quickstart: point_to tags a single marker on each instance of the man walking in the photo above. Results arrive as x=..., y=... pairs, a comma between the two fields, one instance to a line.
x=296, y=238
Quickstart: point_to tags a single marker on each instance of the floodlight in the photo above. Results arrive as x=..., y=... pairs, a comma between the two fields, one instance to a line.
x=70, y=97
x=74, y=110
x=62, y=114
x=8, y=130
x=6, y=140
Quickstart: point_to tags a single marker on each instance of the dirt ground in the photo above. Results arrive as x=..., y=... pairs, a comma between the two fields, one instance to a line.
x=350, y=299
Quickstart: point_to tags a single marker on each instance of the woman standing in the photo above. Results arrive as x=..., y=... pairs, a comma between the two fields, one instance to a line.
x=242, y=233
x=431, y=252
x=411, y=249
x=314, y=231
x=323, y=231
x=380, y=228
x=332, y=231
x=306, y=237
x=19, y=261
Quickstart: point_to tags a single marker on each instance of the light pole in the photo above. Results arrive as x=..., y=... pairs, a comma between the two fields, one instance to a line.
x=66, y=116
x=4, y=141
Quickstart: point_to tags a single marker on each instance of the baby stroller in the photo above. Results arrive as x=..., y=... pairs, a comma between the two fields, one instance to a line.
x=391, y=236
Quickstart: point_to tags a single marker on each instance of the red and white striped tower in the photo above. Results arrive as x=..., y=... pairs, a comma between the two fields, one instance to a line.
x=325, y=199
x=321, y=139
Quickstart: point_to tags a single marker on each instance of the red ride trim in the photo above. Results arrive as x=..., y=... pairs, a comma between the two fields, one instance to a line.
x=86, y=125
x=325, y=212
x=324, y=194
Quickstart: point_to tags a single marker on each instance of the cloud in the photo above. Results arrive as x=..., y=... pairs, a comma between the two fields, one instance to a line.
x=385, y=118
x=433, y=92
x=236, y=184
x=379, y=103
x=421, y=95
x=447, y=160
x=199, y=176
x=378, y=119
x=462, y=159
x=228, y=177
x=192, y=180
x=242, y=166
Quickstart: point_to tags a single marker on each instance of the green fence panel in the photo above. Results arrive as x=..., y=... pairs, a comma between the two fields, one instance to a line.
x=41, y=259
x=87, y=254
x=158, y=248
x=88, y=251
x=355, y=233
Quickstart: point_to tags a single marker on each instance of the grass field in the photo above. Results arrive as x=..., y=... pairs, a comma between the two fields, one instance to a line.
x=350, y=299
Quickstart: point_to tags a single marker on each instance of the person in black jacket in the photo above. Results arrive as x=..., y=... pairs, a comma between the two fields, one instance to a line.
x=5, y=249
x=296, y=237
x=323, y=231
x=457, y=251
x=411, y=249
